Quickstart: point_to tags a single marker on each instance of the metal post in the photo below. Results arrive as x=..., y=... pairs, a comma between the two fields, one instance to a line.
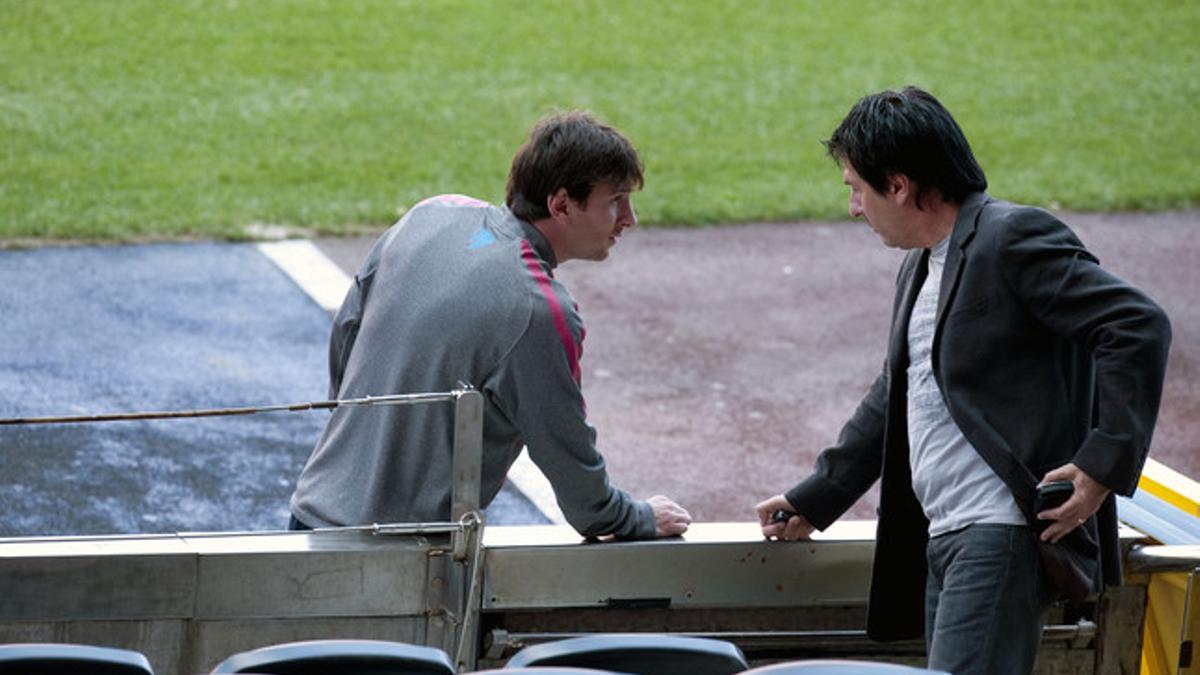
x=468, y=453
x=464, y=508
x=472, y=601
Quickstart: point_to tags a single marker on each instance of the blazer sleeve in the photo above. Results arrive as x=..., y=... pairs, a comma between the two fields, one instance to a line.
x=1126, y=333
x=846, y=470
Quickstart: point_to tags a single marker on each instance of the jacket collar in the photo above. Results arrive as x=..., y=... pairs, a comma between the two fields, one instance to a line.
x=913, y=276
x=964, y=224
x=527, y=231
x=960, y=238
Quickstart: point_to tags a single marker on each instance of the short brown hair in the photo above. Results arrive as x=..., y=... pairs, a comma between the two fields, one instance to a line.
x=569, y=150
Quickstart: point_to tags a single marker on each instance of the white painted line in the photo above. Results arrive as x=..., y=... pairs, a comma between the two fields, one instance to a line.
x=323, y=281
x=316, y=274
x=532, y=483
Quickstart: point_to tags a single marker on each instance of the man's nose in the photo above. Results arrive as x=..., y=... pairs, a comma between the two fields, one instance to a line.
x=855, y=208
x=629, y=217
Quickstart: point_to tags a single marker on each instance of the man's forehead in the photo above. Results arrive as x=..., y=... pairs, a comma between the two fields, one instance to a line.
x=625, y=187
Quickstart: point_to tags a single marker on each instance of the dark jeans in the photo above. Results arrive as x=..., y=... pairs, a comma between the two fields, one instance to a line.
x=983, y=601
x=295, y=524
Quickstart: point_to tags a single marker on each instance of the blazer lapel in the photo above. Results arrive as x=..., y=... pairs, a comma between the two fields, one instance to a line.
x=912, y=277
x=960, y=238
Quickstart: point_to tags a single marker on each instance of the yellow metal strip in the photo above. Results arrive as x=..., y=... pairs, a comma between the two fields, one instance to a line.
x=1171, y=486
x=1166, y=596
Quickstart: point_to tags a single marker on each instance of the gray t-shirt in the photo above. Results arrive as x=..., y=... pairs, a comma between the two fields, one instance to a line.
x=458, y=291
x=955, y=486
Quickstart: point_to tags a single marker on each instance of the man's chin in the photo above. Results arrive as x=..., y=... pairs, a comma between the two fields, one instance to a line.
x=886, y=241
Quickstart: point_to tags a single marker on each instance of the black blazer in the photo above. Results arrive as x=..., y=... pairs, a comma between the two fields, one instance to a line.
x=1043, y=358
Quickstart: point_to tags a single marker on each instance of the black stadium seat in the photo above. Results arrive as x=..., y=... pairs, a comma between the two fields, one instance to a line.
x=64, y=659
x=640, y=653
x=840, y=667
x=345, y=657
x=546, y=670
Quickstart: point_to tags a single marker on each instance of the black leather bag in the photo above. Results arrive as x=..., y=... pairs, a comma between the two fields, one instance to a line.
x=1071, y=566
x=1074, y=575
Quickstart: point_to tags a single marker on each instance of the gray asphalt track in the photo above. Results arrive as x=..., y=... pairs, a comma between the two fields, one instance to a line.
x=719, y=361
x=159, y=327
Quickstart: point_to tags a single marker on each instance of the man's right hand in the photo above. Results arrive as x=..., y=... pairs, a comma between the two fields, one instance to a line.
x=794, y=528
x=670, y=519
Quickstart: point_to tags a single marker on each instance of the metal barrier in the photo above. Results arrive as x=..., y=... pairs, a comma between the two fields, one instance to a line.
x=187, y=601
x=1166, y=507
x=775, y=600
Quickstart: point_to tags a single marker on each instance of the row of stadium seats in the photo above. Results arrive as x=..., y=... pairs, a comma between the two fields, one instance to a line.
x=640, y=654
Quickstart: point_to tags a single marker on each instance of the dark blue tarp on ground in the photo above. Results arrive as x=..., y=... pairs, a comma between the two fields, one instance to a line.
x=158, y=327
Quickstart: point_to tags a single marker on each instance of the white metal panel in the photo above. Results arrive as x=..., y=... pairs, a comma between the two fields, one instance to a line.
x=78, y=587
x=678, y=573
x=319, y=574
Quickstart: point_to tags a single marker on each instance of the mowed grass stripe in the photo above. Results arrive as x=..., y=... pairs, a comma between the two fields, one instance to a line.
x=132, y=119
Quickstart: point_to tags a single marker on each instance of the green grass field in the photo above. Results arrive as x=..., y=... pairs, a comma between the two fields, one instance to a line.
x=137, y=119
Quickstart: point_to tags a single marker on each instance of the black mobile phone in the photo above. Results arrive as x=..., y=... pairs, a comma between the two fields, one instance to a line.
x=1052, y=495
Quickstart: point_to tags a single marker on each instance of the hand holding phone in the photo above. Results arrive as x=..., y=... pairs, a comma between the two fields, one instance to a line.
x=1051, y=496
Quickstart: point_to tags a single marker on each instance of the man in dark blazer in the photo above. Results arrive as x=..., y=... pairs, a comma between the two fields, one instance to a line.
x=1014, y=360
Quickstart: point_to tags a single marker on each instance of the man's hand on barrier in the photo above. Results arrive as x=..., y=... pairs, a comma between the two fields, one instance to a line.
x=780, y=521
x=670, y=519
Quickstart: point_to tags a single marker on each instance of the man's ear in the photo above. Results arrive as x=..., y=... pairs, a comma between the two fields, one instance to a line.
x=556, y=203
x=900, y=187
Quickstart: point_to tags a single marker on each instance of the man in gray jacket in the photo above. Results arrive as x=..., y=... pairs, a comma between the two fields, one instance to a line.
x=460, y=290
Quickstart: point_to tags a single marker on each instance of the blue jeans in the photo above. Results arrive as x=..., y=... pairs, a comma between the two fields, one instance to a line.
x=984, y=600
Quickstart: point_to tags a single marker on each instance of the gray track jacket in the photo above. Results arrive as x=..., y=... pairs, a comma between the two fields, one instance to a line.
x=458, y=290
